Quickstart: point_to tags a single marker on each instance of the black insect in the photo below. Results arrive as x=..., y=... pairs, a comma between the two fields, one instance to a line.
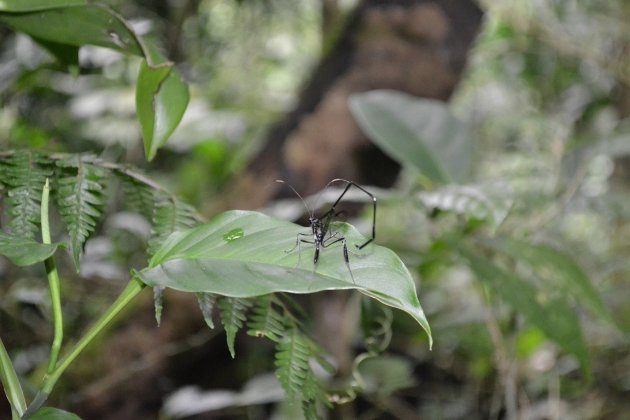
x=322, y=236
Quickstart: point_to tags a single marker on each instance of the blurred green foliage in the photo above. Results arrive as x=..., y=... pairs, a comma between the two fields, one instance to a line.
x=546, y=98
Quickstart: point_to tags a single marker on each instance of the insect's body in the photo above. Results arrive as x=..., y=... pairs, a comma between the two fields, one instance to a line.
x=320, y=227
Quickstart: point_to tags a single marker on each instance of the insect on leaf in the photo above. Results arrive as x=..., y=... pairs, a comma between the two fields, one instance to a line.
x=256, y=263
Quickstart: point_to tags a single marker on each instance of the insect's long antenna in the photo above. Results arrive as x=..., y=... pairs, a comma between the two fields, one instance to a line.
x=310, y=212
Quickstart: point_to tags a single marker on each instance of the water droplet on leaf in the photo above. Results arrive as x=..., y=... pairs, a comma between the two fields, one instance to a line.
x=233, y=235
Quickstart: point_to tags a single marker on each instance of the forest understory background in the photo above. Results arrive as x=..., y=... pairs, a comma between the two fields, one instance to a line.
x=542, y=88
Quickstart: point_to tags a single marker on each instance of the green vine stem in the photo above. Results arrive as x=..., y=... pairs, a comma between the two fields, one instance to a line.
x=53, y=283
x=134, y=287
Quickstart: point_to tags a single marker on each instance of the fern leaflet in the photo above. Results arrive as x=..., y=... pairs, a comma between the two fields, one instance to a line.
x=170, y=215
x=80, y=198
x=158, y=303
x=266, y=321
x=206, y=304
x=139, y=197
x=233, y=315
x=292, y=360
x=24, y=176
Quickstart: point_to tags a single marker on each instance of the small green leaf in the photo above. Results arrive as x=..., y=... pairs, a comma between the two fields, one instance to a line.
x=161, y=99
x=552, y=316
x=34, y=5
x=200, y=260
x=49, y=413
x=11, y=383
x=419, y=133
x=24, y=251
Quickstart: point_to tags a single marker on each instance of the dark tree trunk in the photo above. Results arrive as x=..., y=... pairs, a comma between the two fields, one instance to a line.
x=419, y=47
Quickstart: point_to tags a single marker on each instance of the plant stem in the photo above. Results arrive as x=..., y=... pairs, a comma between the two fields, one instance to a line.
x=134, y=287
x=53, y=284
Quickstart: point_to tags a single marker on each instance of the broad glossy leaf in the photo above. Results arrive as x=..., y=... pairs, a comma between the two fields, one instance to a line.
x=49, y=413
x=552, y=316
x=161, y=99
x=557, y=270
x=25, y=251
x=211, y=259
x=489, y=202
x=419, y=133
x=33, y=5
x=77, y=25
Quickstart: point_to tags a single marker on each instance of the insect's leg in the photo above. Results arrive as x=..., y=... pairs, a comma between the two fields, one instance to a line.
x=346, y=258
x=349, y=184
x=297, y=241
x=316, y=256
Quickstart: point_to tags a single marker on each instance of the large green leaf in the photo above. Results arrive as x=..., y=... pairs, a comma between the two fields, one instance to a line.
x=419, y=133
x=25, y=251
x=552, y=316
x=33, y=5
x=557, y=270
x=244, y=254
x=77, y=25
x=161, y=99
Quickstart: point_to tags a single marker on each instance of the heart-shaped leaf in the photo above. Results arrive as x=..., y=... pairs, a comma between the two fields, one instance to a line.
x=263, y=258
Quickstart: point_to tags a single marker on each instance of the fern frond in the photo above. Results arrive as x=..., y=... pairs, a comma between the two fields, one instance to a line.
x=266, y=321
x=139, y=197
x=292, y=357
x=170, y=215
x=206, y=304
x=309, y=409
x=24, y=176
x=80, y=197
x=233, y=315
